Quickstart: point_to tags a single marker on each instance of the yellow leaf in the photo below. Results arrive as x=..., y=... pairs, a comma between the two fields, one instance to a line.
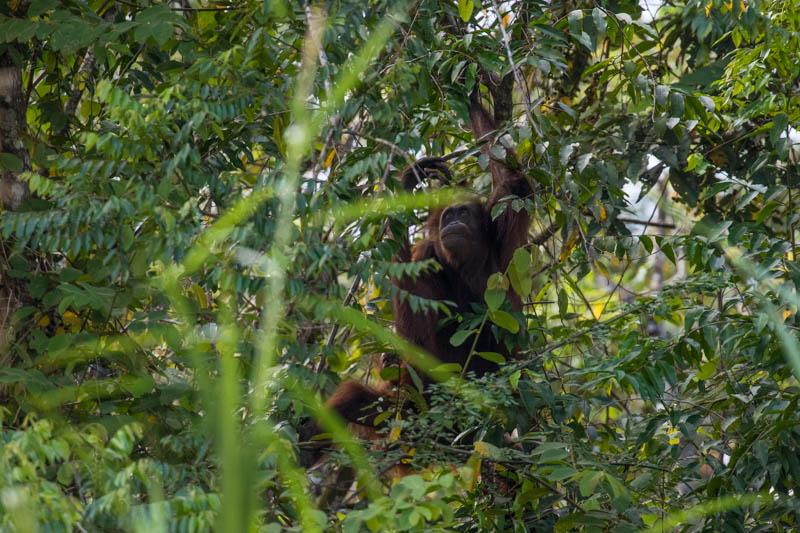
x=787, y=313
x=71, y=319
x=329, y=159
x=497, y=281
x=675, y=440
x=506, y=20
x=199, y=295
x=704, y=432
x=602, y=269
x=567, y=248
x=472, y=471
x=43, y=322
x=602, y=212
x=394, y=434
x=408, y=460
x=482, y=449
x=708, y=8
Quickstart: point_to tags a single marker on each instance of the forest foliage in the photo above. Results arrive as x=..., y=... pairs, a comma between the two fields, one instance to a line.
x=203, y=257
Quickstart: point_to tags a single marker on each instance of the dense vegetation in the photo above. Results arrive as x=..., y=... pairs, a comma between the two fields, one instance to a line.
x=193, y=254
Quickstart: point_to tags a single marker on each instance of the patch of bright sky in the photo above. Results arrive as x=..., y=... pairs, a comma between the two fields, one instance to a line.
x=650, y=9
x=641, y=207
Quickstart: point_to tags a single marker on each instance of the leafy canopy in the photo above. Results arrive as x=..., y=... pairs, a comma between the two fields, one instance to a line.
x=204, y=257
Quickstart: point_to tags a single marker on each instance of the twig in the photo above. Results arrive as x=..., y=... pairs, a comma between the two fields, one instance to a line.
x=507, y=46
x=33, y=59
x=79, y=83
x=632, y=47
x=624, y=270
x=571, y=338
x=381, y=141
x=646, y=223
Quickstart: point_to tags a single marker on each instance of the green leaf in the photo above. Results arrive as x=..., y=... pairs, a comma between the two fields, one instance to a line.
x=736, y=37
x=760, y=322
x=446, y=368
x=11, y=162
x=707, y=370
x=13, y=375
x=716, y=189
x=521, y=260
x=711, y=228
x=696, y=162
x=562, y=302
x=142, y=33
x=553, y=456
x=761, y=452
x=520, y=280
x=389, y=373
x=707, y=102
x=662, y=93
x=504, y=320
x=519, y=272
x=576, y=22
x=414, y=377
x=568, y=523
x=676, y=104
x=162, y=32
x=647, y=242
x=39, y=7
x=565, y=152
x=126, y=238
x=669, y=252
x=766, y=211
x=779, y=125
x=599, y=18
x=494, y=298
x=458, y=104
x=745, y=200
x=641, y=481
x=547, y=446
x=460, y=336
x=65, y=474
x=561, y=473
x=465, y=8
x=494, y=357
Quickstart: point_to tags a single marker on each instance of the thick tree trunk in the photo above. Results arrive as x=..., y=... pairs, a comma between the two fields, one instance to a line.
x=12, y=191
x=12, y=122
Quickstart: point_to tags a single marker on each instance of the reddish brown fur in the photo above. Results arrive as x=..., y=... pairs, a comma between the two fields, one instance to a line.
x=462, y=282
x=359, y=403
